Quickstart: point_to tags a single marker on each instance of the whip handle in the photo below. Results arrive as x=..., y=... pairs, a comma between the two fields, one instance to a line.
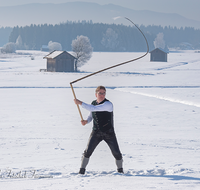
x=77, y=104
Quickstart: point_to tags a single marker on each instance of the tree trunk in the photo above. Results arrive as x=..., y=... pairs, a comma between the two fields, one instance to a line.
x=76, y=62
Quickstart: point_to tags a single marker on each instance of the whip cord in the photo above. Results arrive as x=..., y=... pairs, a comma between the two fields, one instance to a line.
x=111, y=66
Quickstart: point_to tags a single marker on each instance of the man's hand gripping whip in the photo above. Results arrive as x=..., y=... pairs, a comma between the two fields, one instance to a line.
x=110, y=67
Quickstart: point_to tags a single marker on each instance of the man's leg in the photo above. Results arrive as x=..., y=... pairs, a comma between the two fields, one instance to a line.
x=84, y=163
x=94, y=140
x=119, y=166
x=111, y=140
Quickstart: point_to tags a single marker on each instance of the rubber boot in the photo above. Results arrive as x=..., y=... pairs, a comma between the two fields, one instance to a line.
x=84, y=163
x=119, y=166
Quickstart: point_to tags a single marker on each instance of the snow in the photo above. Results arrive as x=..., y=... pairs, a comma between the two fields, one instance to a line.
x=53, y=54
x=157, y=122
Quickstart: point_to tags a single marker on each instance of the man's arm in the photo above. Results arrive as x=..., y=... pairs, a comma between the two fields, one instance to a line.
x=106, y=106
x=89, y=119
x=77, y=102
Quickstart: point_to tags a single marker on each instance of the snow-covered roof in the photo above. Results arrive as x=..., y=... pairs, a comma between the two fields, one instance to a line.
x=160, y=50
x=53, y=54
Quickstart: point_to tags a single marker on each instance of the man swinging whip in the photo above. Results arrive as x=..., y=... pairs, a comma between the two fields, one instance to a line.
x=101, y=112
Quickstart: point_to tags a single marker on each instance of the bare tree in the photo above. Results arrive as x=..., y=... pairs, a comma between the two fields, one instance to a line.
x=82, y=50
x=159, y=41
x=9, y=48
x=19, y=44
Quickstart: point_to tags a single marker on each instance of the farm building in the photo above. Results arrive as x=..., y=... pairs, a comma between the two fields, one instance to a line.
x=158, y=54
x=60, y=61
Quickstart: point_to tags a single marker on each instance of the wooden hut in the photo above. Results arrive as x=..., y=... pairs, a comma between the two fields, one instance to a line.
x=159, y=54
x=60, y=61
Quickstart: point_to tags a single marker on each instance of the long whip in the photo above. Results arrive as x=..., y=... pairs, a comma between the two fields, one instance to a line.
x=110, y=67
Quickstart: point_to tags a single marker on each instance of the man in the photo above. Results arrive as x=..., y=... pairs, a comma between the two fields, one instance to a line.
x=101, y=112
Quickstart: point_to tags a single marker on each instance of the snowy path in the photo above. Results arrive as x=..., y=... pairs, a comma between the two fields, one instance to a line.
x=195, y=102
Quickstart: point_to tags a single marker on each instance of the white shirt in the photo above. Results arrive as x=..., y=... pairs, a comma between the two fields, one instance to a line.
x=106, y=106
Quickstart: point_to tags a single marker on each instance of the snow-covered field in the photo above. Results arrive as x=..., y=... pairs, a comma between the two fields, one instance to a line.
x=157, y=122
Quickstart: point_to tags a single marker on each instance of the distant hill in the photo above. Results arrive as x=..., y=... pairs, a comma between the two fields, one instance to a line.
x=39, y=13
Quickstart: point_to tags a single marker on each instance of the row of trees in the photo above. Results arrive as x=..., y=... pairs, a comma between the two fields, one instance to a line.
x=176, y=37
x=4, y=35
x=100, y=35
x=105, y=37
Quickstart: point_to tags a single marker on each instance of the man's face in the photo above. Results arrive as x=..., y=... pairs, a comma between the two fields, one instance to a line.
x=100, y=95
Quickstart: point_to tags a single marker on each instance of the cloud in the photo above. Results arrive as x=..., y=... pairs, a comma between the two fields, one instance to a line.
x=118, y=17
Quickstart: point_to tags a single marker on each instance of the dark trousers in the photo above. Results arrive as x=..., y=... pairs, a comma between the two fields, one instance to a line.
x=109, y=137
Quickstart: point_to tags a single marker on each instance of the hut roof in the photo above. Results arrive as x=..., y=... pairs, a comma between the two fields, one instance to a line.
x=160, y=50
x=55, y=54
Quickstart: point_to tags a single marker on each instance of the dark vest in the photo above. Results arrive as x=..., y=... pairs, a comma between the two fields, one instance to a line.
x=103, y=120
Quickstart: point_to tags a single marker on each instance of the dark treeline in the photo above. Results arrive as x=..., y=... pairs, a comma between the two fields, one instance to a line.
x=4, y=35
x=177, y=37
x=103, y=37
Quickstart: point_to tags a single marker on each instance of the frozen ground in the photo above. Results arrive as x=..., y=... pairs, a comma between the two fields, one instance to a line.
x=157, y=122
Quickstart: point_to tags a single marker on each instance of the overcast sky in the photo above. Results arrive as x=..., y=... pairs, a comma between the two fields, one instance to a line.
x=186, y=8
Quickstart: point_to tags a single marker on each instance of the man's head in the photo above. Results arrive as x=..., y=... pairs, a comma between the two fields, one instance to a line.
x=100, y=93
x=100, y=88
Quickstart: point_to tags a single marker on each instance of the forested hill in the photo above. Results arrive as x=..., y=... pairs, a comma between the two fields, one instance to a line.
x=4, y=35
x=105, y=37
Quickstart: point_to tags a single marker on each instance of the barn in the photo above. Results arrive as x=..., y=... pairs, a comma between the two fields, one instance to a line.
x=158, y=54
x=60, y=61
